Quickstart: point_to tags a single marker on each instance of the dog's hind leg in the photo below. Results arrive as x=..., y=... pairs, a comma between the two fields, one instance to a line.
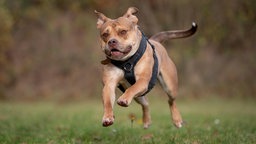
x=145, y=110
x=169, y=81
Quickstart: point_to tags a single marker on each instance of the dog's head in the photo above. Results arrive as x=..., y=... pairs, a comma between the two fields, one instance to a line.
x=120, y=38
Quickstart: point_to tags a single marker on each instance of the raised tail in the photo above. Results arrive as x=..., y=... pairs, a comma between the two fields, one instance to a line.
x=162, y=36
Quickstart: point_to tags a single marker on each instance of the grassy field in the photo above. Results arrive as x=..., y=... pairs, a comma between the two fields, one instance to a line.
x=212, y=121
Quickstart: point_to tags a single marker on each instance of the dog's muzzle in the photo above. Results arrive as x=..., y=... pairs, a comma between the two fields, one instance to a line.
x=113, y=50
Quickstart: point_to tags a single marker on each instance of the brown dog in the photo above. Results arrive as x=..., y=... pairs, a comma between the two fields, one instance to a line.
x=121, y=40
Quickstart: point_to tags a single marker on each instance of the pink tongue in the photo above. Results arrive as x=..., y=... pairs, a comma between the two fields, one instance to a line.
x=116, y=53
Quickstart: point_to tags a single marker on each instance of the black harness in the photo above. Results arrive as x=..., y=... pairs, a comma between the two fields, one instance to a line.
x=128, y=65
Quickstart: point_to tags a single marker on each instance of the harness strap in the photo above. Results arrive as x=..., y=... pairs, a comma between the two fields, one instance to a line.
x=154, y=71
x=128, y=65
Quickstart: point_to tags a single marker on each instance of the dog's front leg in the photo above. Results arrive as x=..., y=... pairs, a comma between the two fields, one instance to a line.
x=137, y=89
x=111, y=77
x=108, y=96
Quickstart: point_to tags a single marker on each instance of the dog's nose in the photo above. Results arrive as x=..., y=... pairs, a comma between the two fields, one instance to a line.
x=112, y=42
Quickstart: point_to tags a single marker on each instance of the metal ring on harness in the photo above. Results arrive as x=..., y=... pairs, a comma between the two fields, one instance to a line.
x=128, y=67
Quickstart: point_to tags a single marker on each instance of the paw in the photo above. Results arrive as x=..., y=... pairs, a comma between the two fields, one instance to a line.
x=107, y=122
x=123, y=102
x=146, y=125
x=146, y=121
x=178, y=124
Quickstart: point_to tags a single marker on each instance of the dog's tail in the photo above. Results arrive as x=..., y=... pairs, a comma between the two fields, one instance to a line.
x=162, y=36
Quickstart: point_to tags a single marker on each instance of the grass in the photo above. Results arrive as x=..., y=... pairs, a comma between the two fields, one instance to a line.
x=212, y=121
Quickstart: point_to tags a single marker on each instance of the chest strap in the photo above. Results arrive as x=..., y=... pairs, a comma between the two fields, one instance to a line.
x=128, y=65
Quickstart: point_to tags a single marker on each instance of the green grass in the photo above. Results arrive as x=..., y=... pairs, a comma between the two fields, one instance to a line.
x=212, y=121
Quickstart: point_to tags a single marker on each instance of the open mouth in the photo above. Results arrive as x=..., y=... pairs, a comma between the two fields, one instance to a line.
x=116, y=52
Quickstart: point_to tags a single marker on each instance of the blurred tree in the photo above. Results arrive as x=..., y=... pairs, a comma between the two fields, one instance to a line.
x=6, y=67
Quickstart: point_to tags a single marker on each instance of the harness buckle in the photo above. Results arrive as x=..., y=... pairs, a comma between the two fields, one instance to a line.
x=128, y=67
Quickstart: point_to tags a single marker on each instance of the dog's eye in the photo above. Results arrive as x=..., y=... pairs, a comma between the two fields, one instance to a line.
x=123, y=32
x=105, y=35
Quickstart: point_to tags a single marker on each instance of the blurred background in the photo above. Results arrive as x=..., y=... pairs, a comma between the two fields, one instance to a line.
x=49, y=49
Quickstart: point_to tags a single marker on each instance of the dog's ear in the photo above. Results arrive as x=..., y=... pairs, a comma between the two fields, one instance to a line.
x=101, y=19
x=130, y=14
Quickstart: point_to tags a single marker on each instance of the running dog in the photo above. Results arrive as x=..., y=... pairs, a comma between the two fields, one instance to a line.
x=134, y=63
